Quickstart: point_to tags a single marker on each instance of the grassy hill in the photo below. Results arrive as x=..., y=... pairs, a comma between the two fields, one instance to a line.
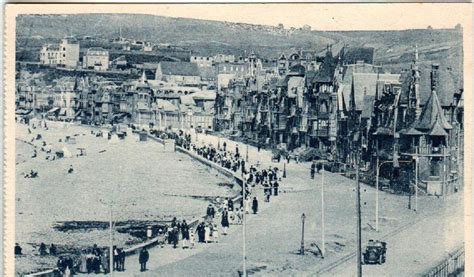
x=392, y=48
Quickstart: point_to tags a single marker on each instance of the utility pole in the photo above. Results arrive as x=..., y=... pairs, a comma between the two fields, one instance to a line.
x=302, y=234
x=416, y=180
x=377, y=190
x=247, y=153
x=244, y=258
x=323, y=247
x=359, y=231
x=111, y=250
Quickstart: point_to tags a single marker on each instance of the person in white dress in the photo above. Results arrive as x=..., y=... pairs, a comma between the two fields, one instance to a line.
x=215, y=233
x=207, y=234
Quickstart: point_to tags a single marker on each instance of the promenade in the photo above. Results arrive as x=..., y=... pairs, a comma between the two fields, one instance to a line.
x=273, y=236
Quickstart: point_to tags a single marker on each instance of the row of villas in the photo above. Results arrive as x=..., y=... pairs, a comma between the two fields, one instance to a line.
x=351, y=110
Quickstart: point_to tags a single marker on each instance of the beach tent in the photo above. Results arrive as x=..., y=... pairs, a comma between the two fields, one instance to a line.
x=114, y=139
x=66, y=152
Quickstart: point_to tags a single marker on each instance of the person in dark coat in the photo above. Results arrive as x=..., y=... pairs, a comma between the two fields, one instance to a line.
x=255, y=205
x=225, y=221
x=313, y=170
x=230, y=204
x=175, y=236
x=53, y=250
x=116, y=254
x=143, y=259
x=275, y=188
x=211, y=212
x=18, y=249
x=122, y=260
x=200, y=231
x=42, y=249
x=225, y=146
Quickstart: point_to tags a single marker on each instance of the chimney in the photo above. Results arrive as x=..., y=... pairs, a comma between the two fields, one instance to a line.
x=434, y=76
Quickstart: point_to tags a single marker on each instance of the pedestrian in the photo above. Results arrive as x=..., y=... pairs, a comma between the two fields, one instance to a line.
x=259, y=146
x=185, y=233
x=225, y=146
x=225, y=221
x=313, y=169
x=275, y=188
x=215, y=233
x=143, y=259
x=201, y=232
x=105, y=262
x=192, y=240
x=53, y=250
x=18, y=249
x=42, y=249
x=175, y=236
x=210, y=212
x=230, y=204
x=70, y=170
x=207, y=233
x=116, y=258
x=83, y=262
x=255, y=205
x=122, y=259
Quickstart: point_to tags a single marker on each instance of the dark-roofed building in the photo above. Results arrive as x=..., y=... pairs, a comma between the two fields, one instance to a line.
x=181, y=73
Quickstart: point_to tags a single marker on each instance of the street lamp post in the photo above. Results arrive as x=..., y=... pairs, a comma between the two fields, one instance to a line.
x=359, y=230
x=111, y=249
x=416, y=180
x=323, y=247
x=244, y=256
x=247, y=153
x=302, y=234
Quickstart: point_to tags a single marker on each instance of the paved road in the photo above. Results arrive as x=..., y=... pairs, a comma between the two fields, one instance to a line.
x=418, y=248
x=274, y=235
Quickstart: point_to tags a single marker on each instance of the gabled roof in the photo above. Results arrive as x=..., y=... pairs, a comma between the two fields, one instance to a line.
x=363, y=84
x=179, y=68
x=432, y=115
x=166, y=105
x=437, y=130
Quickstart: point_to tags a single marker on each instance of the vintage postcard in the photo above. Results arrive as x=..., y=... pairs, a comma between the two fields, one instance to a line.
x=238, y=139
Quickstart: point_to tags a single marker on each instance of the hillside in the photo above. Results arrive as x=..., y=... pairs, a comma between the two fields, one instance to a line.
x=392, y=48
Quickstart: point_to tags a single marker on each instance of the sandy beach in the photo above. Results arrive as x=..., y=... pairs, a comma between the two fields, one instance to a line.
x=142, y=181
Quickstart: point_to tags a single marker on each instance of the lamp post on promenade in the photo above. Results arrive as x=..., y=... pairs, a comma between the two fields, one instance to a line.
x=359, y=230
x=244, y=255
x=247, y=153
x=303, y=217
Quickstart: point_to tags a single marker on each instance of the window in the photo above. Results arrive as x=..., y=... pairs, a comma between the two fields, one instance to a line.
x=64, y=48
x=64, y=55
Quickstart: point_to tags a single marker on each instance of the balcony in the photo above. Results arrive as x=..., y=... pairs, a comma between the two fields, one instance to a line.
x=428, y=150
